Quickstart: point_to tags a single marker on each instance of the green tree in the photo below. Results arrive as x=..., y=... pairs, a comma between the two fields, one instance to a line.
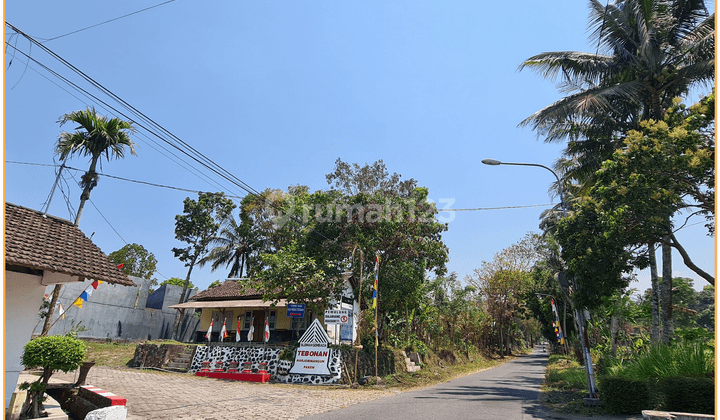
x=51, y=353
x=355, y=179
x=648, y=52
x=176, y=281
x=95, y=136
x=197, y=226
x=136, y=261
x=233, y=245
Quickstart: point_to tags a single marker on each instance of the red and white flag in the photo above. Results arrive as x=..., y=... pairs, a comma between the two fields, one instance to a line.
x=209, y=333
x=237, y=331
x=252, y=329
x=223, y=332
x=267, y=331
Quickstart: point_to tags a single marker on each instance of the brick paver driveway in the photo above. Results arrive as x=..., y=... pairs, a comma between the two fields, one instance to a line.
x=158, y=395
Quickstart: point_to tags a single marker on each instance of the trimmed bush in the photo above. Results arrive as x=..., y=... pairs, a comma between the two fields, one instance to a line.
x=689, y=395
x=624, y=395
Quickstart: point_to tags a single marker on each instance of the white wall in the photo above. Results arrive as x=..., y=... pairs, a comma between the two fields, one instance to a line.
x=23, y=297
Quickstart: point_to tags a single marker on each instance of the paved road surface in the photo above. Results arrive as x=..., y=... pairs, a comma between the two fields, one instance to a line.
x=507, y=392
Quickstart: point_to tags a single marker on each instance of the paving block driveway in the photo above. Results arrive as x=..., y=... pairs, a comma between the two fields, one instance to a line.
x=159, y=395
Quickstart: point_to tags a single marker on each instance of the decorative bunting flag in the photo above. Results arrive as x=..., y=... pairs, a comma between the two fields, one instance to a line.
x=95, y=284
x=137, y=298
x=209, y=333
x=120, y=266
x=61, y=311
x=267, y=330
x=223, y=332
x=78, y=302
x=237, y=331
x=252, y=329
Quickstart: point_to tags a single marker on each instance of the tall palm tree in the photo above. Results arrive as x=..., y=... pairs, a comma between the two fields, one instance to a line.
x=95, y=136
x=233, y=246
x=648, y=52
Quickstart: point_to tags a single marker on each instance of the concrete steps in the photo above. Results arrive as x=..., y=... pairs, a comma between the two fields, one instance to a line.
x=181, y=362
x=410, y=364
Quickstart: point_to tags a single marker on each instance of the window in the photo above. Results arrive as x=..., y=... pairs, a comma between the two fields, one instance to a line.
x=248, y=319
x=300, y=323
x=271, y=320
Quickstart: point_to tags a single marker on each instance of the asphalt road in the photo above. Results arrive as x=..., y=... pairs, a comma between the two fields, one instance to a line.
x=507, y=392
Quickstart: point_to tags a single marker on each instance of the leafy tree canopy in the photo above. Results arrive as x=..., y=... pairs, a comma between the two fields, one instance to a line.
x=136, y=260
x=176, y=281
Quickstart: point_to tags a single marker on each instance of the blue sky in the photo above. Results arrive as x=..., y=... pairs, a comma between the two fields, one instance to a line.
x=275, y=91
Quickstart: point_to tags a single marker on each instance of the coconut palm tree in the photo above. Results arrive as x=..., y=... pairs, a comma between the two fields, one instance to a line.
x=233, y=246
x=648, y=52
x=95, y=136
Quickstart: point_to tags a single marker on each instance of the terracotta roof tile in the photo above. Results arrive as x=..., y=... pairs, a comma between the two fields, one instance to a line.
x=229, y=289
x=49, y=243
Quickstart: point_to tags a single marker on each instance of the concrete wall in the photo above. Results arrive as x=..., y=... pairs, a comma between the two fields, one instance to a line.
x=23, y=297
x=121, y=312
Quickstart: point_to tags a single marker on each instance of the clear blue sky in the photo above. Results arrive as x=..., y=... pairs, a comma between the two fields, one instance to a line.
x=276, y=91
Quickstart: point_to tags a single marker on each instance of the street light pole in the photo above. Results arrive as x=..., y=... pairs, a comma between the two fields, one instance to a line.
x=579, y=316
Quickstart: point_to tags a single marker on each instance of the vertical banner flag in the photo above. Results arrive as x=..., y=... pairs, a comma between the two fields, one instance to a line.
x=267, y=330
x=237, y=331
x=209, y=333
x=223, y=332
x=375, y=285
x=252, y=329
x=375, y=293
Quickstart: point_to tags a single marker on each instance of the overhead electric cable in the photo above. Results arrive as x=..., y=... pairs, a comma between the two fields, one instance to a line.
x=108, y=107
x=108, y=21
x=198, y=157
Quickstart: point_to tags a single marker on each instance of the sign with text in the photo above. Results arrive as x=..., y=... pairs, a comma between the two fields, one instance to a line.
x=334, y=316
x=311, y=361
x=295, y=310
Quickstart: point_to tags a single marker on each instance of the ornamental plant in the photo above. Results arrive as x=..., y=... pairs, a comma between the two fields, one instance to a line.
x=51, y=353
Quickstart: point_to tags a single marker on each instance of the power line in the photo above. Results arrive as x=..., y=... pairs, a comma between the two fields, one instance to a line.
x=108, y=21
x=230, y=196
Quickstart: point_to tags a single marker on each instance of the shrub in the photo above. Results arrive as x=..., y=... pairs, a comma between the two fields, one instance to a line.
x=624, y=395
x=689, y=395
x=55, y=352
x=662, y=362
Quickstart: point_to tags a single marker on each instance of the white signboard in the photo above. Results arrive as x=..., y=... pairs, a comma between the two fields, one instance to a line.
x=311, y=361
x=337, y=317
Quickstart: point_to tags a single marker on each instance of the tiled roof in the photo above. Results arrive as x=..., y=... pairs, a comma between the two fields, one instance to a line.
x=229, y=289
x=49, y=243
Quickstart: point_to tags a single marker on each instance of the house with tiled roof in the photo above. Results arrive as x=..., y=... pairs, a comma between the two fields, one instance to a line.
x=241, y=307
x=42, y=250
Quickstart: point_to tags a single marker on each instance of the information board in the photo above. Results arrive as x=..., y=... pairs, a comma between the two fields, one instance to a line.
x=337, y=316
x=295, y=310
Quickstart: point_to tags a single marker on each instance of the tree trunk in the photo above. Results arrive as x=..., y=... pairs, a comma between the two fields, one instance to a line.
x=667, y=292
x=83, y=198
x=181, y=311
x=654, y=298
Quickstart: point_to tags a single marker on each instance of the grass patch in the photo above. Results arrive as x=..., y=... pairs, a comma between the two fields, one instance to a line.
x=115, y=354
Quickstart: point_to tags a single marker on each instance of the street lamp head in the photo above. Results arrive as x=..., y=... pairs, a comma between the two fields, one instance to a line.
x=492, y=162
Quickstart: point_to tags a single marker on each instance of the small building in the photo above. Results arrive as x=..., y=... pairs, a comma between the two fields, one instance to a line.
x=42, y=250
x=239, y=308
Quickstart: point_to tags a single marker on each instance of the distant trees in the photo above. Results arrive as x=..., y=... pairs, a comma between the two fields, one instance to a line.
x=136, y=261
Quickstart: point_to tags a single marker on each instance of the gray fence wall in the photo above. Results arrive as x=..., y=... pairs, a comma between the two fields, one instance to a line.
x=122, y=312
